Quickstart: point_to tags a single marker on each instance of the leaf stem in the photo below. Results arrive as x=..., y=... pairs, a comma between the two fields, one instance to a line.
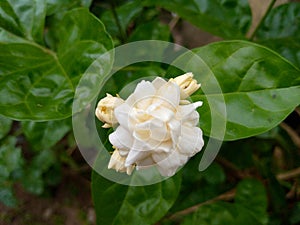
x=115, y=15
x=262, y=20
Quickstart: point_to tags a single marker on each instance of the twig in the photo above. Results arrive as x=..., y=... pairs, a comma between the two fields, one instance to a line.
x=294, y=136
x=173, y=22
x=262, y=19
x=227, y=196
x=289, y=174
x=297, y=110
x=235, y=170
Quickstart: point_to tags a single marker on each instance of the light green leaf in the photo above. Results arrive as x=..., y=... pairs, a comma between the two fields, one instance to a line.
x=122, y=205
x=5, y=125
x=37, y=83
x=280, y=31
x=44, y=135
x=24, y=18
x=224, y=18
x=260, y=87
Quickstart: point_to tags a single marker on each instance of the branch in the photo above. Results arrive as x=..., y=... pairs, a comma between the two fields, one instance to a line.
x=289, y=174
x=228, y=196
x=294, y=136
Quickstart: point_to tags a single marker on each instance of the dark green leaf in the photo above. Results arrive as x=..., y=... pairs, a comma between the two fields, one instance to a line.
x=54, y=6
x=224, y=18
x=117, y=24
x=151, y=31
x=222, y=213
x=32, y=180
x=135, y=205
x=295, y=215
x=7, y=196
x=10, y=157
x=251, y=194
x=5, y=125
x=260, y=88
x=38, y=84
x=280, y=31
x=43, y=135
x=214, y=174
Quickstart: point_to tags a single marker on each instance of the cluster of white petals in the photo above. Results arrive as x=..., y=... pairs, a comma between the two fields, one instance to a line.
x=155, y=128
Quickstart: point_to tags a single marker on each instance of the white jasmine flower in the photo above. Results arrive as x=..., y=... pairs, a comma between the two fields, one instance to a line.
x=117, y=162
x=105, y=110
x=154, y=128
x=187, y=84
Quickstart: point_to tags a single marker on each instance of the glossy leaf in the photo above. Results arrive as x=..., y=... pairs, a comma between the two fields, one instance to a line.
x=44, y=135
x=260, y=88
x=224, y=18
x=125, y=14
x=24, y=18
x=280, y=31
x=5, y=125
x=135, y=205
x=151, y=31
x=37, y=83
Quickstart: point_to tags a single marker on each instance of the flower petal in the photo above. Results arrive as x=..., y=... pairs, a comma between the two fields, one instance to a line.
x=121, y=139
x=167, y=164
x=170, y=93
x=190, y=142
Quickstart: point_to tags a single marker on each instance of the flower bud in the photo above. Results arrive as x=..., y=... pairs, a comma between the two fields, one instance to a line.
x=187, y=84
x=105, y=110
x=117, y=162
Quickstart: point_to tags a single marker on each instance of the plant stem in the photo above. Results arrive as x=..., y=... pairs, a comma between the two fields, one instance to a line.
x=121, y=31
x=262, y=19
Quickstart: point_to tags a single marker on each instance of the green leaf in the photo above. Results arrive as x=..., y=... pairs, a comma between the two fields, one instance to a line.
x=222, y=213
x=224, y=18
x=10, y=157
x=214, y=174
x=135, y=205
x=280, y=31
x=125, y=14
x=7, y=196
x=32, y=179
x=151, y=31
x=24, y=18
x=44, y=135
x=5, y=125
x=251, y=194
x=37, y=83
x=54, y=6
x=260, y=88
